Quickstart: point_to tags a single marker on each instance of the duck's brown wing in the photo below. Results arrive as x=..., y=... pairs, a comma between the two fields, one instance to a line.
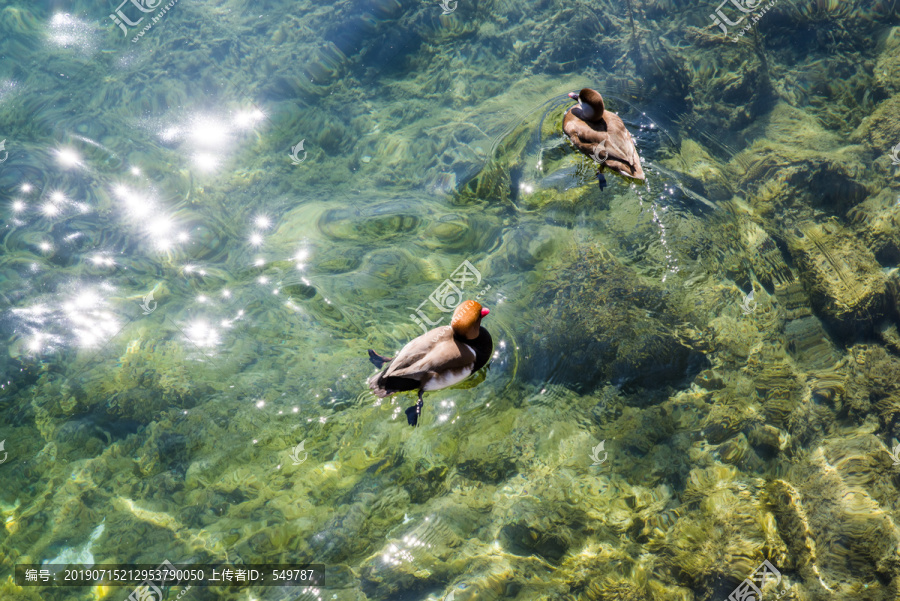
x=431, y=352
x=443, y=356
x=624, y=158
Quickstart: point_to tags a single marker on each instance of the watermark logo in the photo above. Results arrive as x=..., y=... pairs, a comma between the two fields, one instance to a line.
x=295, y=150
x=895, y=455
x=6, y=154
x=145, y=304
x=895, y=154
x=595, y=453
x=135, y=17
x=295, y=453
x=748, y=305
x=751, y=588
x=449, y=294
x=445, y=4
x=5, y=454
x=148, y=590
x=597, y=152
x=745, y=8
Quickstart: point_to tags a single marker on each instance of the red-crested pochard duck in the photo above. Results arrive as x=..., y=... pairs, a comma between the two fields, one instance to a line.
x=437, y=359
x=602, y=136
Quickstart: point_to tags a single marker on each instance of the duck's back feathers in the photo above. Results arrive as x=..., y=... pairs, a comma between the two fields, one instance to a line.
x=434, y=360
x=604, y=137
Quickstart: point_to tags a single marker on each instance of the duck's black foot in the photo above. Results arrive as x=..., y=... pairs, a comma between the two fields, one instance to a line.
x=601, y=181
x=378, y=360
x=412, y=414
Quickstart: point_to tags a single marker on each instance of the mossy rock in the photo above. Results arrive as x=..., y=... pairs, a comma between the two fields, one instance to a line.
x=603, y=322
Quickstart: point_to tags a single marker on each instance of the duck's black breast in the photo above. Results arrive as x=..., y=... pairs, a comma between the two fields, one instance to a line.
x=483, y=347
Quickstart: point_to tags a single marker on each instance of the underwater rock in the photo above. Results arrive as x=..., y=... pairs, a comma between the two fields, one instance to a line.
x=727, y=85
x=845, y=284
x=880, y=131
x=604, y=323
x=887, y=68
x=729, y=533
x=809, y=343
x=876, y=222
x=799, y=165
x=725, y=421
x=490, y=468
x=541, y=529
x=873, y=386
x=426, y=482
x=768, y=438
x=836, y=529
x=709, y=175
x=764, y=256
x=654, y=426
x=424, y=558
x=9, y=591
x=709, y=379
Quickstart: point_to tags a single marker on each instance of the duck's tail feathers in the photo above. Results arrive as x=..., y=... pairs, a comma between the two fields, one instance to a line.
x=376, y=384
x=378, y=360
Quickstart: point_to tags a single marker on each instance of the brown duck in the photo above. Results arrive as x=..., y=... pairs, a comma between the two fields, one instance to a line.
x=437, y=359
x=602, y=136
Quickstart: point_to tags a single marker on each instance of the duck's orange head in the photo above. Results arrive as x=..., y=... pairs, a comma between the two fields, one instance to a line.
x=591, y=103
x=467, y=319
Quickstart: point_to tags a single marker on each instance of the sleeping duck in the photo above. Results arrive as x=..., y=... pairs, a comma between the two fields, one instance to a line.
x=602, y=136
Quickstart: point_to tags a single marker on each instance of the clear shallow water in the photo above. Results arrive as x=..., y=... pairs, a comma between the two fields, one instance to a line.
x=188, y=295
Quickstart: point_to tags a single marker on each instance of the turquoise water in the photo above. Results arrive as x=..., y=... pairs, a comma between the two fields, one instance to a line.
x=212, y=210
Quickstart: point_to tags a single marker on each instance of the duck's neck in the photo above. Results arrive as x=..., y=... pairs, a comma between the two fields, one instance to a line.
x=470, y=334
x=586, y=112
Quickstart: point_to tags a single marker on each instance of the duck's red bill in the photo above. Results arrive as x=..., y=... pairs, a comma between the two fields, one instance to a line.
x=484, y=312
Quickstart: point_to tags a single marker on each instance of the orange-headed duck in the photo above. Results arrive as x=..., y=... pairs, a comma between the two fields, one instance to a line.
x=437, y=359
x=602, y=136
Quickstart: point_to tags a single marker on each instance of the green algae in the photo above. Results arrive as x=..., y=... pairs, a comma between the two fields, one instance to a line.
x=736, y=436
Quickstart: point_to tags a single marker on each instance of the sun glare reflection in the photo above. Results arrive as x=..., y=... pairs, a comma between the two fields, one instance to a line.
x=81, y=317
x=209, y=137
x=68, y=158
x=202, y=334
x=69, y=32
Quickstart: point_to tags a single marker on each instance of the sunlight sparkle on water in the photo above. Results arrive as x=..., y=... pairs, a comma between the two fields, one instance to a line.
x=68, y=158
x=90, y=323
x=205, y=161
x=201, y=334
x=247, y=119
x=209, y=132
x=136, y=206
x=101, y=260
x=66, y=31
x=34, y=345
x=159, y=227
x=170, y=133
